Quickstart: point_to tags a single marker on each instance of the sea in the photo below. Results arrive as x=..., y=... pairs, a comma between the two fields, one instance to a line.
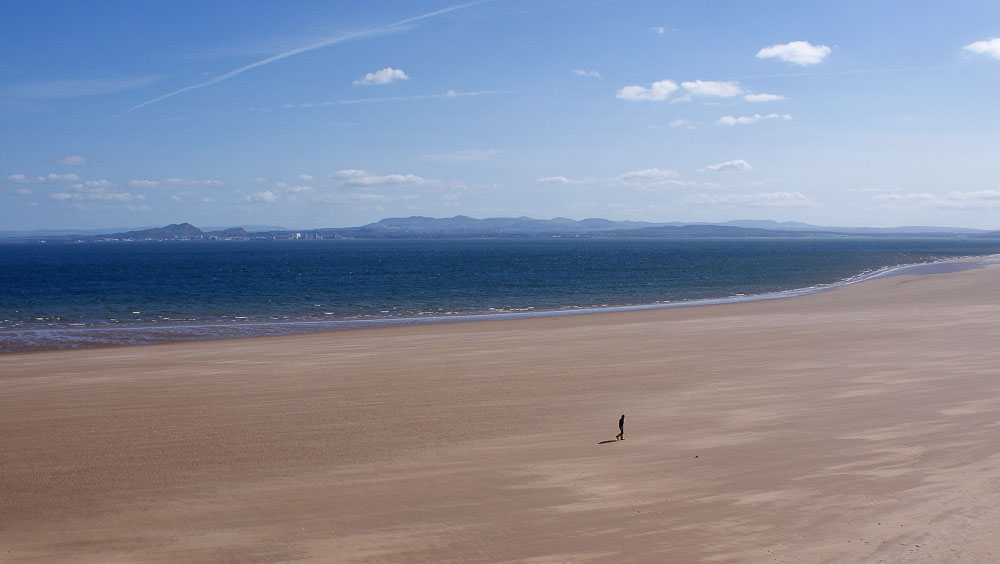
x=83, y=295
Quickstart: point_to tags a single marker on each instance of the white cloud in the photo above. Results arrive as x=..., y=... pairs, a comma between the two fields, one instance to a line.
x=264, y=196
x=193, y=182
x=73, y=160
x=765, y=199
x=648, y=174
x=749, y=120
x=306, y=177
x=664, y=89
x=97, y=196
x=652, y=178
x=980, y=199
x=727, y=166
x=587, y=73
x=904, y=197
x=683, y=123
x=381, y=197
x=712, y=88
x=354, y=177
x=467, y=155
x=390, y=179
x=383, y=76
x=191, y=197
x=674, y=183
x=51, y=177
x=659, y=29
x=955, y=200
x=293, y=188
x=282, y=192
x=658, y=92
x=562, y=180
x=22, y=191
x=357, y=187
x=95, y=184
x=989, y=47
x=59, y=178
x=364, y=198
x=349, y=173
x=95, y=190
x=763, y=97
x=800, y=53
x=175, y=182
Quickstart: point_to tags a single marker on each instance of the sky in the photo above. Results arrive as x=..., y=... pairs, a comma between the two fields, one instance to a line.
x=333, y=114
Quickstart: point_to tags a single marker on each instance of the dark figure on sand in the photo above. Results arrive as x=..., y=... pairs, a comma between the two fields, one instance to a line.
x=621, y=428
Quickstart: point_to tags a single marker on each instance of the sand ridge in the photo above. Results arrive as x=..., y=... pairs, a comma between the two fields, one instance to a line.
x=847, y=426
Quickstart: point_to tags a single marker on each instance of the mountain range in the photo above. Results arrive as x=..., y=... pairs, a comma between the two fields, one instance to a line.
x=418, y=227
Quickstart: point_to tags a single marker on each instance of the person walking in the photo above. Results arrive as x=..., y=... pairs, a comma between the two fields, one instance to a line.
x=621, y=429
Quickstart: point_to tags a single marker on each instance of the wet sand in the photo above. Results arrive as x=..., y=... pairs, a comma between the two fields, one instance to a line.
x=854, y=425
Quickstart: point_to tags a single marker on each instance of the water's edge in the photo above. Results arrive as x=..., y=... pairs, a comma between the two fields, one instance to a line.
x=46, y=339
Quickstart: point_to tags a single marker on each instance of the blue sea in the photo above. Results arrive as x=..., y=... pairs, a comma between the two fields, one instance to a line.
x=56, y=296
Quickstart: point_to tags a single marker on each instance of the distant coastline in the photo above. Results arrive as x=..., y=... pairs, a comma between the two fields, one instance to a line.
x=460, y=227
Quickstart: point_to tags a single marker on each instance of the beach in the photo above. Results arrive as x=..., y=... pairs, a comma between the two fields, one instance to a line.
x=857, y=424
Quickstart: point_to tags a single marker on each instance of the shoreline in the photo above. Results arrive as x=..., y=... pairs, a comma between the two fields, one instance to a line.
x=95, y=337
x=853, y=425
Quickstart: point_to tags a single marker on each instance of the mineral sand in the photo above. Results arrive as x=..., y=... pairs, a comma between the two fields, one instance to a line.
x=854, y=425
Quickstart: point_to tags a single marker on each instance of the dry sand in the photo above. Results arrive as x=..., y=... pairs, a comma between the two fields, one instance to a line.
x=855, y=425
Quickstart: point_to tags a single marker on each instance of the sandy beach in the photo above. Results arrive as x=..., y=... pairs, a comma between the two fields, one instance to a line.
x=853, y=425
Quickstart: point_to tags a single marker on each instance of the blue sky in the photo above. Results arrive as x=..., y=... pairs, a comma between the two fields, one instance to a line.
x=328, y=114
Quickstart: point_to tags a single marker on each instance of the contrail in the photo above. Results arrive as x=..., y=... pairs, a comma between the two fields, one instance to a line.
x=293, y=52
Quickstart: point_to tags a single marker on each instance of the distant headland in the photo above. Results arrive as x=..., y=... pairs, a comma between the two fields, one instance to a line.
x=417, y=227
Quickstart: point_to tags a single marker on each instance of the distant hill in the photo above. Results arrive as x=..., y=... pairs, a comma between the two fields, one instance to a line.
x=463, y=226
x=247, y=228
x=174, y=231
x=418, y=227
x=179, y=232
x=41, y=233
x=708, y=230
x=495, y=226
x=228, y=233
x=798, y=226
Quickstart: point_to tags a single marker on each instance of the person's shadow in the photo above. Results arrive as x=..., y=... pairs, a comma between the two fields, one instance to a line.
x=608, y=441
